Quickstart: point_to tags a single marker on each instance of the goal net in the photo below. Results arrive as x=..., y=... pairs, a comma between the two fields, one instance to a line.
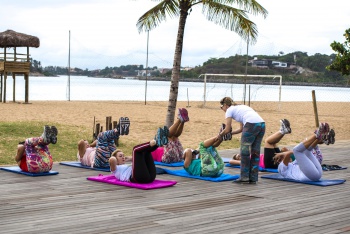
x=241, y=87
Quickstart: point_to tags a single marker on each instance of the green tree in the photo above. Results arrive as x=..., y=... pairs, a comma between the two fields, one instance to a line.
x=341, y=62
x=218, y=11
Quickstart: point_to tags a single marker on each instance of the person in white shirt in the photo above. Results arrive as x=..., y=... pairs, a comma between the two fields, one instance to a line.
x=305, y=167
x=142, y=170
x=252, y=127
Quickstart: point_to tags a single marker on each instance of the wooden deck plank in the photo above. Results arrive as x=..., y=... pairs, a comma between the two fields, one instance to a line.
x=70, y=203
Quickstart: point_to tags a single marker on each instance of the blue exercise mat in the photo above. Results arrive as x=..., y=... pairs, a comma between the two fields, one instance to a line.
x=175, y=164
x=78, y=164
x=184, y=173
x=260, y=168
x=18, y=170
x=322, y=182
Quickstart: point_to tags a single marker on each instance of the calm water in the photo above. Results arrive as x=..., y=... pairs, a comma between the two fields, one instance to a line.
x=86, y=88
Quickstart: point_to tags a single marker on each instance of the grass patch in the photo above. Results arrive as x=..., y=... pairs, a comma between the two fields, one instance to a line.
x=65, y=150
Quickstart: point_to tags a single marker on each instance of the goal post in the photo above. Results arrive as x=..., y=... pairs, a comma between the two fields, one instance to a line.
x=242, y=76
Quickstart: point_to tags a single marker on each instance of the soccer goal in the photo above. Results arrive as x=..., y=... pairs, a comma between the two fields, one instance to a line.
x=260, y=80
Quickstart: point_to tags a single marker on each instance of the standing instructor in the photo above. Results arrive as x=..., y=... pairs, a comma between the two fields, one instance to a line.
x=252, y=127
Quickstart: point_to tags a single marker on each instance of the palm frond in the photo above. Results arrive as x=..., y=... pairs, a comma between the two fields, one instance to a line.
x=251, y=6
x=231, y=18
x=158, y=14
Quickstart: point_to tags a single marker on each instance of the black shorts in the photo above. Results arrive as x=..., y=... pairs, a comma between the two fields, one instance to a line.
x=269, y=153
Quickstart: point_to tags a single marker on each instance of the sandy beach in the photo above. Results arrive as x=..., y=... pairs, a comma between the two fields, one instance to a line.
x=204, y=121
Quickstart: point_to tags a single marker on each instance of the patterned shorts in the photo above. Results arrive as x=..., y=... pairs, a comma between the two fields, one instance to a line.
x=173, y=152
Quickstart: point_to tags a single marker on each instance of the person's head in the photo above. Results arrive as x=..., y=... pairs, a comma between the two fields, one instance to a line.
x=236, y=157
x=277, y=159
x=119, y=155
x=82, y=145
x=225, y=103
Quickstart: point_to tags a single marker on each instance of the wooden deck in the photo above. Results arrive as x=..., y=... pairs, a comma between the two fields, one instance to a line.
x=68, y=203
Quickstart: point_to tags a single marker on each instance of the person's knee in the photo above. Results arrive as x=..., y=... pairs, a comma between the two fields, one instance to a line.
x=187, y=153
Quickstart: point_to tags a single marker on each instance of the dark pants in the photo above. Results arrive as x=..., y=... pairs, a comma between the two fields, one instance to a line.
x=143, y=168
x=269, y=153
x=251, y=139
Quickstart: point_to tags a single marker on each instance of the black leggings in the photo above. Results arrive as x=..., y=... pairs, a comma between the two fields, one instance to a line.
x=143, y=168
x=269, y=153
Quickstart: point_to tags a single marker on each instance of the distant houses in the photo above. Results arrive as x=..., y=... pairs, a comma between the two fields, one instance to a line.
x=159, y=71
x=268, y=63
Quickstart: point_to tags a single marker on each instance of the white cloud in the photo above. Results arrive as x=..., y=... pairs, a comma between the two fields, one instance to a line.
x=104, y=33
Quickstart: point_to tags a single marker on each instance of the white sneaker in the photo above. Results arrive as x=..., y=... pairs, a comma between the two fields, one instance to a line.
x=285, y=126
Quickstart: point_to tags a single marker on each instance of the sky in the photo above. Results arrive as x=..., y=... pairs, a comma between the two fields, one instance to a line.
x=103, y=33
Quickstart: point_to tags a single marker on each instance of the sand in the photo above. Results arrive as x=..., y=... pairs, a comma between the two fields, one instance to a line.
x=204, y=121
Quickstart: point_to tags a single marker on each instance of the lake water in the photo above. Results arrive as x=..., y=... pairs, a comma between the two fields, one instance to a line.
x=90, y=89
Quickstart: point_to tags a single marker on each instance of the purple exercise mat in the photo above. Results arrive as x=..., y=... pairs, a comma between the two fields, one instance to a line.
x=110, y=179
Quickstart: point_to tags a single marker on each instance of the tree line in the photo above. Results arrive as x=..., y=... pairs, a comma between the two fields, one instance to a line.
x=301, y=68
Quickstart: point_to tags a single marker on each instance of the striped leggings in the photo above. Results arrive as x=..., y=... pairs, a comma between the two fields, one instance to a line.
x=105, y=147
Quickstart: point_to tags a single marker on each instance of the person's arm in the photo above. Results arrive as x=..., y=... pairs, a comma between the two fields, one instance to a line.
x=128, y=159
x=284, y=157
x=235, y=162
x=93, y=144
x=238, y=130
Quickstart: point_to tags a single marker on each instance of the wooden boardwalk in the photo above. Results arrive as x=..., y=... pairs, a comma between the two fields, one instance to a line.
x=68, y=203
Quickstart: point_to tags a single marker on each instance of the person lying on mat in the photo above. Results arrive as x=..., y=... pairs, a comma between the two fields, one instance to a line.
x=98, y=152
x=173, y=150
x=305, y=167
x=205, y=161
x=33, y=154
x=142, y=170
x=268, y=159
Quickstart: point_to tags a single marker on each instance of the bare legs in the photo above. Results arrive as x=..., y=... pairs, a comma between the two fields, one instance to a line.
x=20, y=153
x=175, y=130
x=272, y=140
x=212, y=142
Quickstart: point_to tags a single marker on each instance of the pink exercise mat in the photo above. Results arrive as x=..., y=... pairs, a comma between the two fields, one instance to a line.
x=110, y=179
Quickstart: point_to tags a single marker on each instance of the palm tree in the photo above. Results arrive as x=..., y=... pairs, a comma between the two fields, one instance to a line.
x=218, y=11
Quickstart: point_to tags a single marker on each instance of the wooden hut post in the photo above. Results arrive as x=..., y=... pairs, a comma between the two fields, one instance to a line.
x=14, y=77
x=14, y=87
x=1, y=88
x=26, y=78
x=5, y=76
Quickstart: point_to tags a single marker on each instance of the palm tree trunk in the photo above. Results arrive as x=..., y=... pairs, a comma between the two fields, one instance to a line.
x=175, y=76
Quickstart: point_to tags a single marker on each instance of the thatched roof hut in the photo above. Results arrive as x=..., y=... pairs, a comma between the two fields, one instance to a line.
x=15, y=63
x=11, y=38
